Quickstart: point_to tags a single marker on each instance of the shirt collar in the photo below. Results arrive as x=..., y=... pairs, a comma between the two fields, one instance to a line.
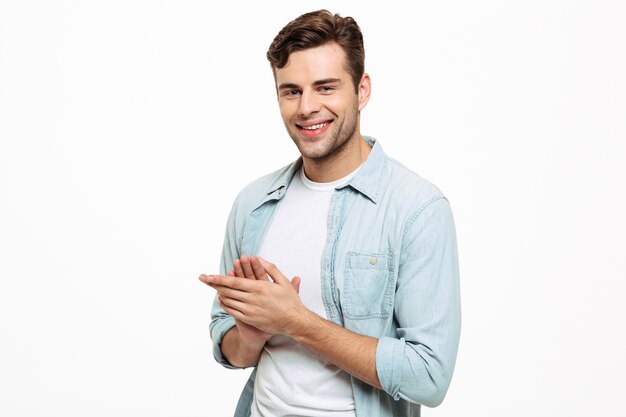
x=279, y=186
x=367, y=181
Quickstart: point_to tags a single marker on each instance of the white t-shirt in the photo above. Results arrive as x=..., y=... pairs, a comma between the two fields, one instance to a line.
x=291, y=380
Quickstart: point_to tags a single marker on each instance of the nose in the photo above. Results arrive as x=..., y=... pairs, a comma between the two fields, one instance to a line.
x=309, y=104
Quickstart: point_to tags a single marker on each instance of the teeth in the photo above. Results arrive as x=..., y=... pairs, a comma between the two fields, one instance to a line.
x=313, y=127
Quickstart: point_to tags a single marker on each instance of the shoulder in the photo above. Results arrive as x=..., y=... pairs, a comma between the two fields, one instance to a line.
x=419, y=205
x=391, y=184
x=407, y=188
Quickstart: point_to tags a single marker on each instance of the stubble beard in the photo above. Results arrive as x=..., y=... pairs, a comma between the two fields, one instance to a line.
x=334, y=146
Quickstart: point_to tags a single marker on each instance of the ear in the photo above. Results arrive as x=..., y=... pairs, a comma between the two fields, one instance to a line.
x=364, y=90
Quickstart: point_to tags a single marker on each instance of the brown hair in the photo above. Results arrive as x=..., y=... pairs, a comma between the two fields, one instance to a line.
x=316, y=29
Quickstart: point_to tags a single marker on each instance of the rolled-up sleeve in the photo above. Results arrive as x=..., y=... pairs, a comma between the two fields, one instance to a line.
x=418, y=363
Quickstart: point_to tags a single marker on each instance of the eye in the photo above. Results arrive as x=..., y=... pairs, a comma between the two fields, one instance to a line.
x=325, y=89
x=291, y=93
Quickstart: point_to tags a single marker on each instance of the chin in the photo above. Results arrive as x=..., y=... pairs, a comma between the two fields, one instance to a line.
x=311, y=152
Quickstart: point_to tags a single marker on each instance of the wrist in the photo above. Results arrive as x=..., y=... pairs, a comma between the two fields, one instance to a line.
x=301, y=324
x=241, y=352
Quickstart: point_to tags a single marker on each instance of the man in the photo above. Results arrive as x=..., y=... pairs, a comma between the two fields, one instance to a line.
x=369, y=324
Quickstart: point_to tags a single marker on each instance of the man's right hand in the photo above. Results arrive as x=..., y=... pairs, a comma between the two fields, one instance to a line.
x=242, y=345
x=250, y=268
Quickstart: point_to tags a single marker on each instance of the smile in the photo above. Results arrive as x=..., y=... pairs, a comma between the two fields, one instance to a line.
x=313, y=127
x=314, y=130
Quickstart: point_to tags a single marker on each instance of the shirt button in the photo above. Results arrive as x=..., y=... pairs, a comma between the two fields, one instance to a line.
x=373, y=260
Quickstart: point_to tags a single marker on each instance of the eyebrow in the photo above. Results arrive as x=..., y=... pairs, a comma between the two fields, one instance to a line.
x=327, y=81
x=315, y=83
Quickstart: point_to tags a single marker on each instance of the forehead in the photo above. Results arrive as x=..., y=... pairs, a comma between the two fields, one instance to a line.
x=307, y=66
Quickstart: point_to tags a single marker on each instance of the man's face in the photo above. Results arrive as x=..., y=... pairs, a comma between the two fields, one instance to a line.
x=317, y=101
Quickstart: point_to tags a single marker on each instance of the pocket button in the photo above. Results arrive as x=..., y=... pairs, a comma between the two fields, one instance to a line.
x=373, y=260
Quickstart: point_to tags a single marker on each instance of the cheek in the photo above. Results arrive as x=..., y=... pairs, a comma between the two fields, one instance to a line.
x=287, y=109
x=341, y=105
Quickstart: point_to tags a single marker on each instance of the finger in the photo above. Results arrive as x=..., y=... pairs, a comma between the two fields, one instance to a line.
x=205, y=278
x=236, y=314
x=275, y=274
x=231, y=273
x=232, y=300
x=239, y=311
x=235, y=283
x=247, y=268
x=295, y=283
x=257, y=267
x=225, y=292
x=238, y=268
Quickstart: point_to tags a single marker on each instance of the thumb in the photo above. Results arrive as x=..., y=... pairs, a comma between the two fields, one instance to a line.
x=295, y=283
x=275, y=273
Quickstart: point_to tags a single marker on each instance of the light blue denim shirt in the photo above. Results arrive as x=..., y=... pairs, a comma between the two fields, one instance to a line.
x=389, y=270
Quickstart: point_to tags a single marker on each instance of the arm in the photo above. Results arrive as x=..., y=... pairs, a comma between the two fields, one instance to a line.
x=238, y=351
x=231, y=348
x=275, y=308
x=417, y=364
x=221, y=322
x=242, y=344
x=352, y=352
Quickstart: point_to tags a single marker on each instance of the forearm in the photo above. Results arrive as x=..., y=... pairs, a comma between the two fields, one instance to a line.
x=238, y=352
x=273, y=307
x=352, y=352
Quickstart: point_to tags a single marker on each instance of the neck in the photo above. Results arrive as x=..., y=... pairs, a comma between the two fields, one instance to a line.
x=340, y=163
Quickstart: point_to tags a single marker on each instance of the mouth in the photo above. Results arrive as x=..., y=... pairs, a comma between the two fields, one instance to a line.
x=314, y=129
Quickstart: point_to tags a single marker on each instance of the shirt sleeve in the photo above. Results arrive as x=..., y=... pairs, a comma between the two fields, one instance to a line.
x=222, y=322
x=417, y=365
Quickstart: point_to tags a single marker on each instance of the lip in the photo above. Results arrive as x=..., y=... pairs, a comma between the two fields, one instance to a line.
x=312, y=133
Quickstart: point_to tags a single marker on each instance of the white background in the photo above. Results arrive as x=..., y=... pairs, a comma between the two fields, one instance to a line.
x=128, y=127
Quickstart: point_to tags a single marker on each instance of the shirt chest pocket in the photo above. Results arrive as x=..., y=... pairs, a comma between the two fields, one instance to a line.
x=368, y=286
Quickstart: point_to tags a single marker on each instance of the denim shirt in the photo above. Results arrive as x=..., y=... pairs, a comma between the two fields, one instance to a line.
x=389, y=270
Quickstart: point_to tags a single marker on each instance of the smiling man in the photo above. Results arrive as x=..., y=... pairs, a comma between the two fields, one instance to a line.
x=369, y=323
